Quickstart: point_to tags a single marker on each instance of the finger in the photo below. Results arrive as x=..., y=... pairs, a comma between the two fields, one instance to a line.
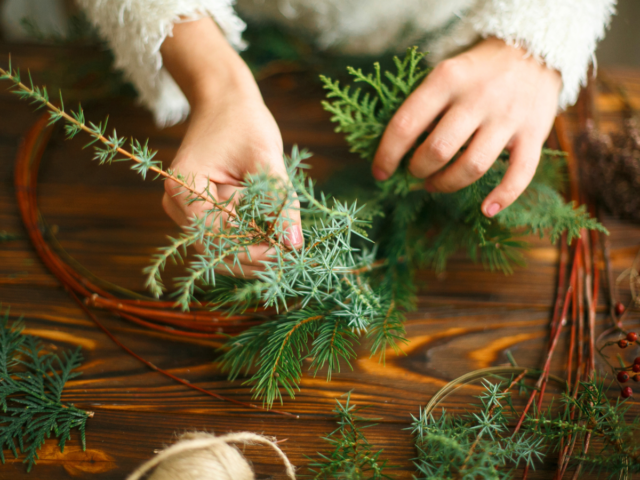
x=246, y=263
x=485, y=147
x=181, y=204
x=292, y=227
x=283, y=222
x=250, y=257
x=243, y=271
x=449, y=135
x=175, y=213
x=413, y=117
x=525, y=155
x=286, y=221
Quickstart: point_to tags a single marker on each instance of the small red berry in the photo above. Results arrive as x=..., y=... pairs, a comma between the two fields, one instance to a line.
x=626, y=392
x=623, y=376
x=619, y=308
x=623, y=343
x=637, y=361
x=635, y=367
x=636, y=378
x=632, y=336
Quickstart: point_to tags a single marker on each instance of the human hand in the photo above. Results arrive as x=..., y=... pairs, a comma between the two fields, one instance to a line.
x=231, y=134
x=494, y=96
x=224, y=143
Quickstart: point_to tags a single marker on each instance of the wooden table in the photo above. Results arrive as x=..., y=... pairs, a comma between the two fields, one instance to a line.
x=111, y=221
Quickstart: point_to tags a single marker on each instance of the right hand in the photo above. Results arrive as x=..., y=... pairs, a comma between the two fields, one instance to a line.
x=231, y=134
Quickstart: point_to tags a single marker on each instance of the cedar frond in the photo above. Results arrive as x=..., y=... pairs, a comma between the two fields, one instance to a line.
x=31, y=384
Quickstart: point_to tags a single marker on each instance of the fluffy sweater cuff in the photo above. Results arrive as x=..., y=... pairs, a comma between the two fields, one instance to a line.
x=135, y=30
x=561, y=33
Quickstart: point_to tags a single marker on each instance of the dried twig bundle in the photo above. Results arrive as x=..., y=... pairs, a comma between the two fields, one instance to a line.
x=612, y=167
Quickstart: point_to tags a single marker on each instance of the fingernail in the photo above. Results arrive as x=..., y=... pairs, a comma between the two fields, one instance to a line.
x=428, y=186
x=493, y=209
x=379, y=174
x=293, y=237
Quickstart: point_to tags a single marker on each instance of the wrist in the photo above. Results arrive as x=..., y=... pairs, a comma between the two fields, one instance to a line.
x=521, y=54
x=204, y=65
x=215, y=87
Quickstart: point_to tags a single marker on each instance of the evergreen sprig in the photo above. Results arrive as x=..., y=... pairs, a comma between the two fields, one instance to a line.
x=480, y=443
x=31, y=384
x=362, y=114
x=353, y=457
x=340, y=286
x=592, y=415
x=326, y=280
x=8, y=237
x=477, y=444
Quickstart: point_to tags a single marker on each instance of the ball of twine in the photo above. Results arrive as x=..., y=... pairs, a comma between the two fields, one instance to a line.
x=203, y=456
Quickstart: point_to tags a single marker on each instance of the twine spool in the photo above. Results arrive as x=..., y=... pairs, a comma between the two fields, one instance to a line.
x=203, y=456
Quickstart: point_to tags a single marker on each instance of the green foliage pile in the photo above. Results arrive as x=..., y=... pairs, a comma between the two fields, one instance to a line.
x=477, y=444
x=455, y=219
x=31, y=384
x=352, y=457
x=480, y=444
x=353, y=279
x=591, y=418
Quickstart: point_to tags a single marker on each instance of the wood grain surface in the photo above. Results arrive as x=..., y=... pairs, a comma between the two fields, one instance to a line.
x=110, y=221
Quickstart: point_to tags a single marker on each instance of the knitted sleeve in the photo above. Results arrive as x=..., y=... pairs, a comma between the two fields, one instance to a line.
x=135, y=30
x=561, y=33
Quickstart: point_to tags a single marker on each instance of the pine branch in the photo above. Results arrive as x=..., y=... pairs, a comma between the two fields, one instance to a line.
x=31, y=385
x=541, y=210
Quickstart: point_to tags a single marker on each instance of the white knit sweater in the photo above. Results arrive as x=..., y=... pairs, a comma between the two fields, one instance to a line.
x=562, y=33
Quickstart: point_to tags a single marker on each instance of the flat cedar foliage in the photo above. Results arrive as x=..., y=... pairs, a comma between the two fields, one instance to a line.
x=353, y=279
x=31, y=384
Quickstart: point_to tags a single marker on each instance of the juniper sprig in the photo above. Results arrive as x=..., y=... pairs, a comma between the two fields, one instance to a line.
x=591, y=415
x=480, y=444
x=326, y=280
x=477, y=444
x=353, y=456
x=341, y=286
x=31, y=385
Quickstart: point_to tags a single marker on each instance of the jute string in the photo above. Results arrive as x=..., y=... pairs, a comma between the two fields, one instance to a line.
x=203, y=456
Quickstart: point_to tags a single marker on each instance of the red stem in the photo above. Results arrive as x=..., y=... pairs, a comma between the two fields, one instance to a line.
x=541, y=383
x=562, y=273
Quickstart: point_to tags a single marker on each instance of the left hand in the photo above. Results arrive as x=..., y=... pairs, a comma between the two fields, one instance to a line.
x=495, y=96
